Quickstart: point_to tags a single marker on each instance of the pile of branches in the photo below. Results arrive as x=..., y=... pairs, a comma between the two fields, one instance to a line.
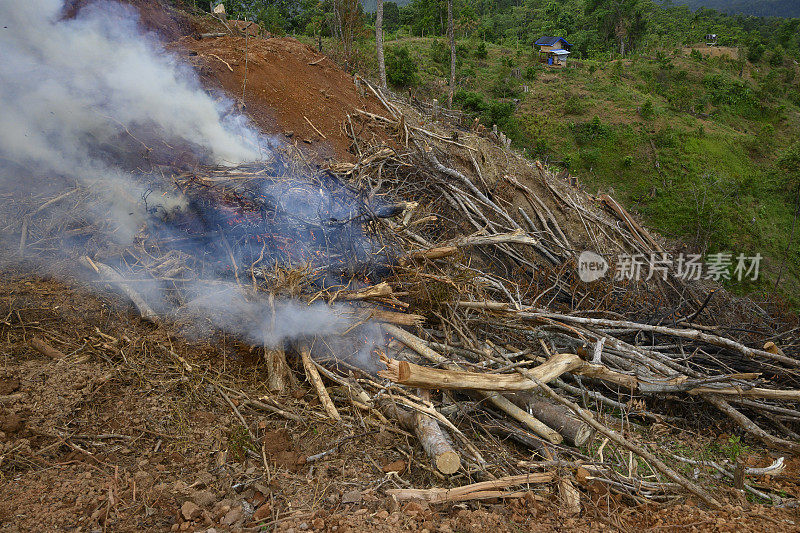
x=514, y=343
x=489, y=337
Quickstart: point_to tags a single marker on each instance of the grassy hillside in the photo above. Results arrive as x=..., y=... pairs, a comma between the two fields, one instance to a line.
x=689, y=142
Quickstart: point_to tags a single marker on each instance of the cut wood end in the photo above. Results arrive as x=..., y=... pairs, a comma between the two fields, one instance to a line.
x=448, y=463
x=583, y=435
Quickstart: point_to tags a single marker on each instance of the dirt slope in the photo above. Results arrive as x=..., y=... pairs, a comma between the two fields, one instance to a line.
x=291, y=89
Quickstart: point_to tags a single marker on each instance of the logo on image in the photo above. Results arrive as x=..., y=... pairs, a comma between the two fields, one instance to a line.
x=591, y=266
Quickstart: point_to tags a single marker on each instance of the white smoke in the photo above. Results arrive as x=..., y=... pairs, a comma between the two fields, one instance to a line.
x=72, y=90
x=87, y=99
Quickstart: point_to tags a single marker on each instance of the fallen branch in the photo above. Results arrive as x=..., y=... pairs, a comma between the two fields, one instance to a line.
x=112, y=276
x=316, y=381
x=692, y=334
x=475, y=491
x=45, y=349
x=750, y=426
x=638, y=450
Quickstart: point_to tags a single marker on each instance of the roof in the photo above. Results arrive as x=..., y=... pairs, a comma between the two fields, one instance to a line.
x=550, y=41
x=559, y=52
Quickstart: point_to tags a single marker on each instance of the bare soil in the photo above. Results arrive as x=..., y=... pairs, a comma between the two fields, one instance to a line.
x=290, y=89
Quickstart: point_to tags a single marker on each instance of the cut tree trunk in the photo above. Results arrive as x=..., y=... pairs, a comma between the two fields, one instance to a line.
x=435, y=443
x=278, y=374
x=561, y=419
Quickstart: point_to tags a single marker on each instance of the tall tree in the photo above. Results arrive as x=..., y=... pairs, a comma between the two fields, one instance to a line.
x=620, y=20
x=452, y=38
x=346, y=24
x=379, y=42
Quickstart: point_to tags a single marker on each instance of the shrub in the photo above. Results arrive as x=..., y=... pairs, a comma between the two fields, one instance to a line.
x=776, y=59
x=627, y=161
x=588, y=132
x=470, y=101
x=756, y=52
x=503, y=86
x=574, y=105
x=401, y=69
x=647, y=111
x=439, y=52
x=590, y=157
x=696, y=55
x=666, y=138
x=497, y=112
x=732, y=93
x=617, y=70
x=480, y=51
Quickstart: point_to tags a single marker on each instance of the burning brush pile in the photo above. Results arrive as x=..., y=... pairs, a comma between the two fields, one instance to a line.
x=431, y=285
x=409, y=289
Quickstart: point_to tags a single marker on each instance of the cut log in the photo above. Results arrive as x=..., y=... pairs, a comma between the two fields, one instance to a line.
x=413, y=375
x=560, y=418
x=45, y=349
x=500, y=402
x=444, y=458
x=435, y=443
x=528, y=420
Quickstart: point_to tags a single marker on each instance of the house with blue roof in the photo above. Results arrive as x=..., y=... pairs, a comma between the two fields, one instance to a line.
x=553, y=50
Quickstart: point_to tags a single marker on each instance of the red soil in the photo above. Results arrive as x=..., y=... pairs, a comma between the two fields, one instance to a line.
x=289, y=87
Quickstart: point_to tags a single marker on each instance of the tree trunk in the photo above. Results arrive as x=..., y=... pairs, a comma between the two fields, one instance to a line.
x=278, y=374
x=379, y=43
x=452, y=38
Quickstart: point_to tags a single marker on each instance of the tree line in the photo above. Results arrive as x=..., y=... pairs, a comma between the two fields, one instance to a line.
x=594, y=27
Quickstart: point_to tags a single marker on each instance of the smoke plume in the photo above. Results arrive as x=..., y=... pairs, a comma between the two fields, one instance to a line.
x=93, y=98
x=77, y=93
